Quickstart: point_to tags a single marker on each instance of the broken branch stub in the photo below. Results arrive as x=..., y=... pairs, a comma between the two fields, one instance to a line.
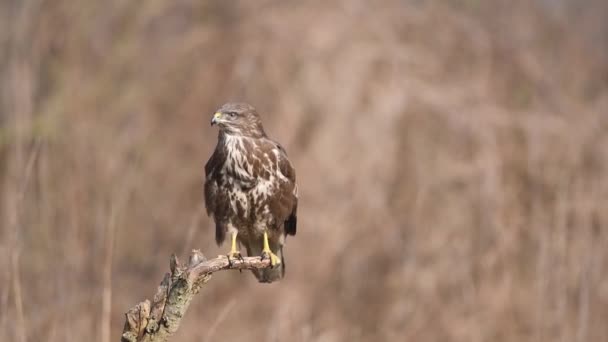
x=159, y=319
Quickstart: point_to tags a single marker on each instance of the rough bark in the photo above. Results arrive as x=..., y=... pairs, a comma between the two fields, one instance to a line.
x=159, y=319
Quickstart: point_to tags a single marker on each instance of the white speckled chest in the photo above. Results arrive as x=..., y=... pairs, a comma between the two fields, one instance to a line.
x=250, y=176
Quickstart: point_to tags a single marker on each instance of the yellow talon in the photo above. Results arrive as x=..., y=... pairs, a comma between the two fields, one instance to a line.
x=234, y=253
x=274, y=259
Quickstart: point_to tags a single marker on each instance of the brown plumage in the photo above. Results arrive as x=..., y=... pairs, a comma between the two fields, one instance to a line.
x=250, y=187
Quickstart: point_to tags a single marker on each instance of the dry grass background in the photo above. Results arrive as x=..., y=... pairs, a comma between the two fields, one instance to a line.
x=452, y=159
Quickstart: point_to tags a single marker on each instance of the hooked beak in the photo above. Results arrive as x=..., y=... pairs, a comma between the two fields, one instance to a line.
x=216, y=118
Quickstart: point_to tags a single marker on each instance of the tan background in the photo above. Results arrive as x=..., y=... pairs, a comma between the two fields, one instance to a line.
x=452, y=158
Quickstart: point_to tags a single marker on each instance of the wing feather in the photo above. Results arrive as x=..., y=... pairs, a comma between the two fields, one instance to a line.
x=292, y=196
x=211, y=187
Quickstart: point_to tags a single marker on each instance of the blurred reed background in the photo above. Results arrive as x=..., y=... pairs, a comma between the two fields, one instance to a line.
x=452, y=158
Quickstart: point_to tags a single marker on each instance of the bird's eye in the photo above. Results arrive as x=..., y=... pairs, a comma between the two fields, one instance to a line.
x=231, y=114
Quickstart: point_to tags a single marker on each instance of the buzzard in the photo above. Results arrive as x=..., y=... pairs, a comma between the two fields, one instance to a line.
x=250, y=189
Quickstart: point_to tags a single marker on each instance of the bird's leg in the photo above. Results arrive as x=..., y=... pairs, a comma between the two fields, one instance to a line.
x=267, y=253
x=234, y=253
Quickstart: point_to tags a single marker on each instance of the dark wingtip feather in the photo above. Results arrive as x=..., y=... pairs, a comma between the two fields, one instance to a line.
x=282, y=264
x=220, y=234
x=290, y=225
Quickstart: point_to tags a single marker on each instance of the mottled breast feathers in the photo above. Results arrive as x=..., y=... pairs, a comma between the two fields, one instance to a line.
x=249, y=182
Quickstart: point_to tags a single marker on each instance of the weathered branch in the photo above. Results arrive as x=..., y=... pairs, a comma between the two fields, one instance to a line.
x=159, y=319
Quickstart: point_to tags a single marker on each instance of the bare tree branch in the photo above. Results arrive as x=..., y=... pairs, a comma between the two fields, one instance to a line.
x=159, y=319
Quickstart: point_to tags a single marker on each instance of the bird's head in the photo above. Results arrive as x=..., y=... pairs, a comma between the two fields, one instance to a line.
x=238, y=119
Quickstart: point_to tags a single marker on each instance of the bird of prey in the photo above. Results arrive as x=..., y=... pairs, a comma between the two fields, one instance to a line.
x=250, y=189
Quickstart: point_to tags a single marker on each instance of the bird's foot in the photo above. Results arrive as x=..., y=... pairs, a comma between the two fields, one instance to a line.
x=274, y=259
x=234, y=255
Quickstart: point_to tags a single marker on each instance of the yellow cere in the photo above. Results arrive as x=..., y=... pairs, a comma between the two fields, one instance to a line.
x=217, y=115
